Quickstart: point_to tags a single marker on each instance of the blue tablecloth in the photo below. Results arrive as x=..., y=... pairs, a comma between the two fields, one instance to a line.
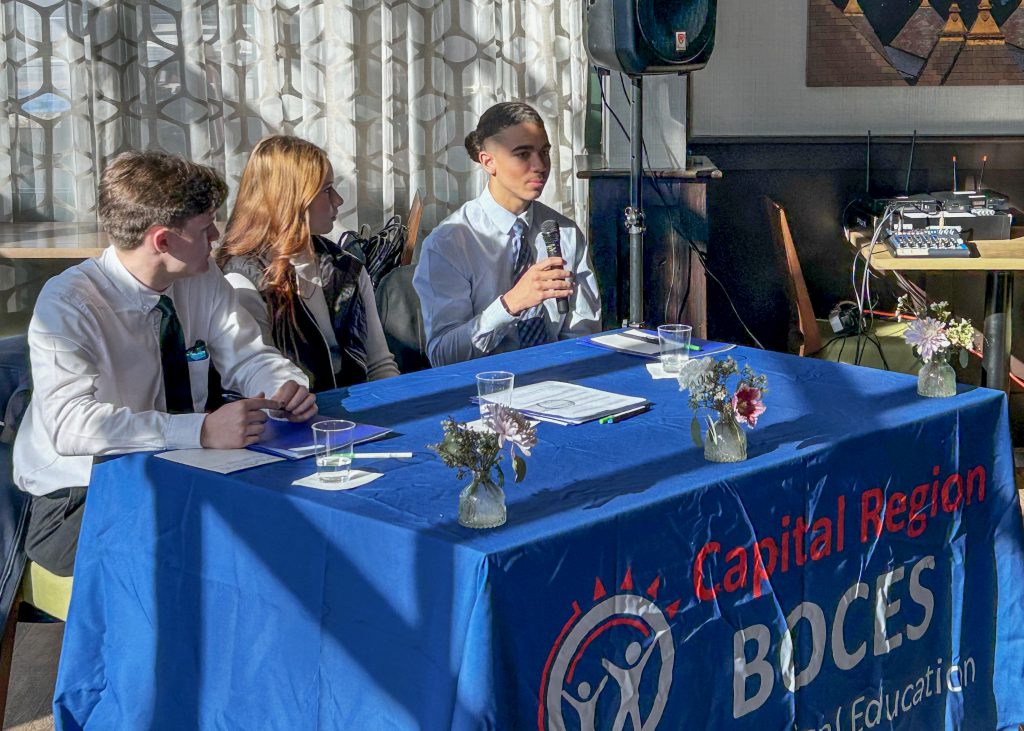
x=624, y=591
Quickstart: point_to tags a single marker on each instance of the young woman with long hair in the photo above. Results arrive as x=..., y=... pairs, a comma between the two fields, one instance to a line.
x=312, y=301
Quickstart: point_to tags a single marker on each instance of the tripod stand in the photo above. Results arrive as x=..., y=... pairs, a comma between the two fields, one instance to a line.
x=635, y=224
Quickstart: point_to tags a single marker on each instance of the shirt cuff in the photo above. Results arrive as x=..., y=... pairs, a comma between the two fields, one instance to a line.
x=495, y=317
x=183, y=431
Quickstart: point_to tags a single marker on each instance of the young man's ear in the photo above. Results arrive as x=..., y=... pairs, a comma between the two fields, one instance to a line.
x=157, y=239
x=486, y=160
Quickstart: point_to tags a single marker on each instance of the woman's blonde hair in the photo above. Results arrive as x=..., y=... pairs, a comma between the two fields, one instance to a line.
x=270, y=219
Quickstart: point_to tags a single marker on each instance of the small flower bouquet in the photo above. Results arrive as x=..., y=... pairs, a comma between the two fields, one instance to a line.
x=935, y=335
x=708, y=384
x=482, y=502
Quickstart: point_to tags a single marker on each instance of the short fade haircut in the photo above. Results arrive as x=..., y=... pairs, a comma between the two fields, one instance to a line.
x=139, y=190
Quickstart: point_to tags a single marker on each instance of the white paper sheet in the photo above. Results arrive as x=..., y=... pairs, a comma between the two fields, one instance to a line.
x=478, y=425
x=356, y=478
x=658, y=372
x=223, y=461
x=569, y=403
x=641, y=343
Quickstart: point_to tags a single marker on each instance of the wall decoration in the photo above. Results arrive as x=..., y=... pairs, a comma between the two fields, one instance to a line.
x=915, y=43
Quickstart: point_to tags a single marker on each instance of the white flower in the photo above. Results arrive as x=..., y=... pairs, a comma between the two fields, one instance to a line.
x=960, y=334
x=514, y=429
x=693, y=369
x=928, y=336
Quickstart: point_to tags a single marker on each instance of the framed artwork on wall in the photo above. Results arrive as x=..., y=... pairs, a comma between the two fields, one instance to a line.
x=915, y=43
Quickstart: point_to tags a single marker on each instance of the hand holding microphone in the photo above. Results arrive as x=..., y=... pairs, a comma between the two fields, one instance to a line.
x=544, y=280
x=553, y=243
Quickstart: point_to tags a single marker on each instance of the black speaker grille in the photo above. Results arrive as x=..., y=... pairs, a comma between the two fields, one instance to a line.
x=660, y=21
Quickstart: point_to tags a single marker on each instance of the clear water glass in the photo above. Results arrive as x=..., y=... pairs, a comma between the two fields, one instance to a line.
x=333, y=447
x=675, y=346
x=493, y=388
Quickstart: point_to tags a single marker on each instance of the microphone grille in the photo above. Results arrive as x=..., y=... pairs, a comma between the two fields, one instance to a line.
x=549, y=228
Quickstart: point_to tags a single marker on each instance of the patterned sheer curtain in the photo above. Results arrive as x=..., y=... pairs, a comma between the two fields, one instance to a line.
x=389, y=88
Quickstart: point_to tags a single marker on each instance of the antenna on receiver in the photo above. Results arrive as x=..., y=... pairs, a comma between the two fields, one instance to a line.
x=984, y=159
x=910, y=163
x=867, y=167
x=954, y=174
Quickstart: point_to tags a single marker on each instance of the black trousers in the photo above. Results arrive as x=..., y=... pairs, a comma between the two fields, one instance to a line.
x=54, y=521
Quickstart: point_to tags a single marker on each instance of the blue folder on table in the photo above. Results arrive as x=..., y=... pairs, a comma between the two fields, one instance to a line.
x=295, y=441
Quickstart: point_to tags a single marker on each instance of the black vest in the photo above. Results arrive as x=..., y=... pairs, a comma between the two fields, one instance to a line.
x=303, y=343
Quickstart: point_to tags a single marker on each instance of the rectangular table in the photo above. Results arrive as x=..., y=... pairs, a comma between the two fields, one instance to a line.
x=624, y=591
x=51, y=240
x=998, y=259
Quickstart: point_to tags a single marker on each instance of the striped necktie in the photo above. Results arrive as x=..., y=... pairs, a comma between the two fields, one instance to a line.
x=532, y=330
x=177, y=384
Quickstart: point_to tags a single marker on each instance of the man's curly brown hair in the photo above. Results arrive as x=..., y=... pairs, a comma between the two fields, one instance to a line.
x=143, y=189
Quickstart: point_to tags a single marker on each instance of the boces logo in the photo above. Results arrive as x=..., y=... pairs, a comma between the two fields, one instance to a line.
x=610, y=665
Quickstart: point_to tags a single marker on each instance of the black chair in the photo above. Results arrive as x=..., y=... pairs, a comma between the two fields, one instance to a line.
x=14, y=379
x=28, y=592
x=402, y=319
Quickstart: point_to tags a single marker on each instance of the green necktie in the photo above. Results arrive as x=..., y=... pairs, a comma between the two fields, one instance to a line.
x=177, y=386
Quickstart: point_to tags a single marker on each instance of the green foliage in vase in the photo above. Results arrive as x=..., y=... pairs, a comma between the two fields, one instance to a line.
x=473, y=451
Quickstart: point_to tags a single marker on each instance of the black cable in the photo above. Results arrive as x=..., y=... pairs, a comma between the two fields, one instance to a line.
x=657, y=188
x=873, y=339
x=604, y=101
x=826, y=345
x=878, y=346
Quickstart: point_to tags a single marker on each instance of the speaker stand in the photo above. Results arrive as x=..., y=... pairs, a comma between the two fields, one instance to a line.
x=634, y=213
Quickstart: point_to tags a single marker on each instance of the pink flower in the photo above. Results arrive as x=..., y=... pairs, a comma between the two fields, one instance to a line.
x=747, y=404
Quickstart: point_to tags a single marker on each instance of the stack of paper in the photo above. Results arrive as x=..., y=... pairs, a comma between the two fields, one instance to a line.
x=567, y=403
x=224, y=461
x=295, y=441
x=634, y=342
x=644, y=343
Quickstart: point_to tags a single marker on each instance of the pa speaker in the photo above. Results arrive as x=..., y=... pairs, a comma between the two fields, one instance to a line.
x=640, y=37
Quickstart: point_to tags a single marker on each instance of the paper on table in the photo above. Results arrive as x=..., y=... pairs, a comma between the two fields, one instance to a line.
x=631, y=341
x=658, y=372
x=356, y=478
x=223, y=461
x=645, y=344
x=569, y=403
x=478, y=425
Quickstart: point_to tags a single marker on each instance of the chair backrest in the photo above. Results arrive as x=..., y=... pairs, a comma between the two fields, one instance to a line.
x=804, y=337
x=402, y=319
x=15, y=384
x=412, y=230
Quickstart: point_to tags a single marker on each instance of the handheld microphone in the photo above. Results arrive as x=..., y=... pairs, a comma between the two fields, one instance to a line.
x=553, y=243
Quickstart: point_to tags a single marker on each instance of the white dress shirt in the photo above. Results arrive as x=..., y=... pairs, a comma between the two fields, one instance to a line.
x=466, y=265
x=380, y=363
x=94, y=343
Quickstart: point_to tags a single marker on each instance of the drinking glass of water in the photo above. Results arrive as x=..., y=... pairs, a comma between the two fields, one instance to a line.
x=493, y=388
x=332, y=441
x=675, y=346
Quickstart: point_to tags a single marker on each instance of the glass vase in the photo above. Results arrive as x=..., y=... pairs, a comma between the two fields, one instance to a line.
x=725, y=441
x=482, y=503
x=936, y=379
